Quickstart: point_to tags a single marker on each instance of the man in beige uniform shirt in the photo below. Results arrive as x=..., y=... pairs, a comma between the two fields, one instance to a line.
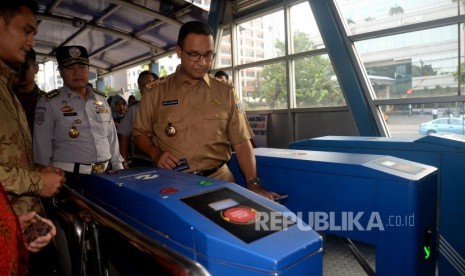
x=191, y=117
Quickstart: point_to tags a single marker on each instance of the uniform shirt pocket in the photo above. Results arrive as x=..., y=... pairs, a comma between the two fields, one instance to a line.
x=103, y=120
x=215, y=125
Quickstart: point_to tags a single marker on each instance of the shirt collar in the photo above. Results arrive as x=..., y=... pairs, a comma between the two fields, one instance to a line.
x=182, y=78
x=71, y=94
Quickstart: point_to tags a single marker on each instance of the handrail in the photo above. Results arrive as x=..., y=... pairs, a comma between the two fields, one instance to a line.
x=143, y=242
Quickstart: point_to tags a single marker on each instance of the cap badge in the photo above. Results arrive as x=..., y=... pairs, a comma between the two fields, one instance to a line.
x=74, y=52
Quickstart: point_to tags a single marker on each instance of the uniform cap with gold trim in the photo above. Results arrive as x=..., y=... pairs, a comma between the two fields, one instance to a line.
x=69, y=55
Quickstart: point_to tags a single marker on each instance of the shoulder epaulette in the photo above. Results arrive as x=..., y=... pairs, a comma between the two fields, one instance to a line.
x=230, y=85
x=52, y=94
x=101, y=93
x=155, y=82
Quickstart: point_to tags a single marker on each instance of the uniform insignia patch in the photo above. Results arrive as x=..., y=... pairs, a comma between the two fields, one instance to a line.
x=215, y=102
x=39, y=117
x=66, y=107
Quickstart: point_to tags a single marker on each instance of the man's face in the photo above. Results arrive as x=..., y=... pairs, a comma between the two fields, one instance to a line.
x=28, y=73
x=17, y=36
x=196, y=44
x=75, y=76
x=143, y=80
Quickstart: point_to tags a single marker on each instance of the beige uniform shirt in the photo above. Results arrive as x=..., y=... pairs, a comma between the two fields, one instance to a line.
x=207, y=118
x=17, y=174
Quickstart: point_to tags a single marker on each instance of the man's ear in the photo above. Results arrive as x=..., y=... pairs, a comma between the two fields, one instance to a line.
x=178, y=51
x=36, y=68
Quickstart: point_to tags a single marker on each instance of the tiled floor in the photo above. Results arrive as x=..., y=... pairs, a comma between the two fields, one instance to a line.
x=339, y=261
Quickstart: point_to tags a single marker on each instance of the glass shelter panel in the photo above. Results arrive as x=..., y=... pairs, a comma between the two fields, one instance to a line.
x=264, y=87
x=417, y=120
x=223, y=55
x=416, y=64
x=304, y=30
x=316, y=84
x=261, y=38
x=367, y=16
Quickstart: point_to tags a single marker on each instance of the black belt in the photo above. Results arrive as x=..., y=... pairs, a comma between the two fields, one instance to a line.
x=208, y=172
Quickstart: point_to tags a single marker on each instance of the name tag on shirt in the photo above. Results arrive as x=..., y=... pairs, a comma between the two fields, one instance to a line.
x=172, y=102
x=68, y=114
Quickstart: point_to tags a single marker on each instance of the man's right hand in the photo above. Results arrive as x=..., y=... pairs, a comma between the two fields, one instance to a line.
x=52, y=178
x=166, y=160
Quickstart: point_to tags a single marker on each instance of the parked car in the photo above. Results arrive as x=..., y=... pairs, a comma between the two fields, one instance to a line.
x=445, y=124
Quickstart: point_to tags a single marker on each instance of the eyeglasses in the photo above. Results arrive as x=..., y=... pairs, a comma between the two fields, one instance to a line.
x=194, y=57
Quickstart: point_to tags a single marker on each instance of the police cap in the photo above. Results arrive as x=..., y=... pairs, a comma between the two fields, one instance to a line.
x=69, y=55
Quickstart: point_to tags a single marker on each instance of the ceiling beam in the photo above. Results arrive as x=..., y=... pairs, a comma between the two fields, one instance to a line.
x=146, y=11
x=94, y=27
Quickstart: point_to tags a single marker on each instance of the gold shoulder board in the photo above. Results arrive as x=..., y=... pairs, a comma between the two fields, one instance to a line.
x=52, y=94
x=101, y=93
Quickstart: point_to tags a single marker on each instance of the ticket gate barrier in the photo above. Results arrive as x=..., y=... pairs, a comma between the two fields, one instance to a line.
x=210, y=221
x=445, y=151
x=380, y=200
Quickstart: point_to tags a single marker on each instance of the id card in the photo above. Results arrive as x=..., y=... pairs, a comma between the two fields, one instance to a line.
x=183, y=165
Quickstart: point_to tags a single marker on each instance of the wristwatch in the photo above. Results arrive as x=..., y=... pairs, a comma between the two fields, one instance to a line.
x=254, y=182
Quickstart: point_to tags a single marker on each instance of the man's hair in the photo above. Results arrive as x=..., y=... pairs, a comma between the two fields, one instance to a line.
x=9, y=8
x=221, y=73
x=193, y=27
x=146, y=72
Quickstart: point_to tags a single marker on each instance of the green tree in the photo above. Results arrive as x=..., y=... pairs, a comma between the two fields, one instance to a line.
x=395, y=10
x=423, y=70
x=163, y=72
x=109, y=90
x=462, y=74
x=313, y=84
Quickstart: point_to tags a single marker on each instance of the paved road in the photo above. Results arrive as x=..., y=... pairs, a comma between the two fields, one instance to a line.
x=403, y=125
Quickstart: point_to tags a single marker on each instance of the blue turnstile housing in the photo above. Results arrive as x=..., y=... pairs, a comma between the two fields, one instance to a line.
x=207, y=220
x=442, y=150
x=380, y=200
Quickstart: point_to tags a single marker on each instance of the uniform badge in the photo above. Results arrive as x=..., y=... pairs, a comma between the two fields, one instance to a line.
x=66, y=107
x=215, y=102
x=74, y=52
x=98, y=103
x=73, y=132
x=170, y=130
x=39, y=117
x=77, y=121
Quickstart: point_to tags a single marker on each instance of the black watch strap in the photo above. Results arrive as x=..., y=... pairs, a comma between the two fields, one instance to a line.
x=254, y=182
